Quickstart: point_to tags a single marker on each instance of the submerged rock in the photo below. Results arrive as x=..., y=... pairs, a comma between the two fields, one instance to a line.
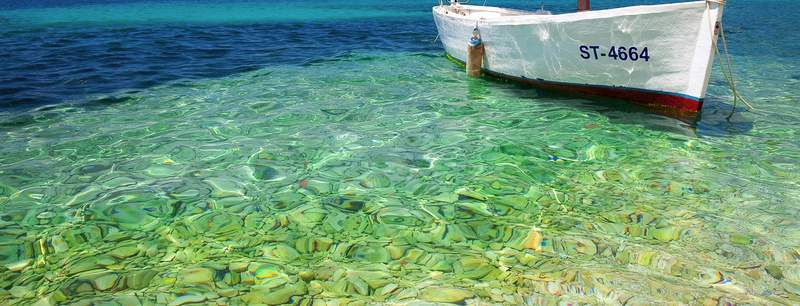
x=473, y=267
x=265, y=173
x=774, y=271
x=277, y=297
x=140, y=279
x=445, y=295
x=196, y=276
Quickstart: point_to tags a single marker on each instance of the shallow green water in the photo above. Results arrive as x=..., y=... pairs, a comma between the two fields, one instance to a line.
x=375, y=179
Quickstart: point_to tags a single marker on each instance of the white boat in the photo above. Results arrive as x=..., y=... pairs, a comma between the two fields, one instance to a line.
x=653, y=54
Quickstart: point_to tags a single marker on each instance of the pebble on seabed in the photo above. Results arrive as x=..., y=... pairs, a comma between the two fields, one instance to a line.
x=444, y=294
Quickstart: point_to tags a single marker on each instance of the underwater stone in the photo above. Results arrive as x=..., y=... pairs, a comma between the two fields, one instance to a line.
x=407, y=294
x=388, y=289
x=446, y=197
x=105, y=282
x=264, y=274
x=376, y=180
x=223, y=188
x=84, y=264
x=444, y=295
x=395, y=251
x=530, y=239
x=59, y=296
x=194, y=276
x=304, y=245
x=315, y=287
x=17, y=266
x=286, y=201
x=373, y=253
x=361, y=286
x=740, y=239
x=265, y=173
x=338, y=275
x=318, y=187
x=59, y=244
x=774, y=271
x=441, y=265
x=464, y=191
x=232, y=278
x=327, y=270
x=729, y=288
x=437, y=262
x=124, y=252
x=306, y=275
x=308, y=215
x=229, y=293
x=322, y=244
x=340, y=287
x=349, y=204
x=280, y=252
x=790, y=287
x=19, y=291
x=413, y=255
x=473, y=267
x=515, y=201
x=668, y=233
x=169, y=256
x=184, y=299
x=139, y=279
x=513, y=149
x=277, y=297
x=485, y=209
x=238, y=266
x=375, y=279
x=585, y=246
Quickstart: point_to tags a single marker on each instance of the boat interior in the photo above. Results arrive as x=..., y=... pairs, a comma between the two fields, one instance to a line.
x=487, y=11
x=460, y=8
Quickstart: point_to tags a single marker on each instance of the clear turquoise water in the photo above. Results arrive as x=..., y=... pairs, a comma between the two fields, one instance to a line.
x=271, y=151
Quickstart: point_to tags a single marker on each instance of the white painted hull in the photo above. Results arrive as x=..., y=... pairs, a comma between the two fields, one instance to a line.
x=655, y=54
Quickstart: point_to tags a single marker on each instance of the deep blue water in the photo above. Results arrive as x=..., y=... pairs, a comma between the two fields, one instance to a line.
x=67, y=52
x=60, y=51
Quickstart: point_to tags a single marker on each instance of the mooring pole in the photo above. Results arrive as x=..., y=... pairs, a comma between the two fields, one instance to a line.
x=475, y=54
x=583, y=5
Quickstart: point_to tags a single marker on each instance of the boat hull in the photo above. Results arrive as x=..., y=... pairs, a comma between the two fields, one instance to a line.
x=658, y=54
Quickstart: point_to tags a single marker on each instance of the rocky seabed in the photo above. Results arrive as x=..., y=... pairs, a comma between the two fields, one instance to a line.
x=356, y=250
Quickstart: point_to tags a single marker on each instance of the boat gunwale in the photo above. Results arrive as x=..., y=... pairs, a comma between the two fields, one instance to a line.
x=533, y=18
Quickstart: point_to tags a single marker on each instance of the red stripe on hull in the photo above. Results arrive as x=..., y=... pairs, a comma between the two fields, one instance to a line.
x=646, y=97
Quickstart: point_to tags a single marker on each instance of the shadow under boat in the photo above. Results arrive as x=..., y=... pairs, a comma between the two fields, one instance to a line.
x=716, y=119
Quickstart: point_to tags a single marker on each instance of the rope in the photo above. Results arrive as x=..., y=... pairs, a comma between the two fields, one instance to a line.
x=728, y=74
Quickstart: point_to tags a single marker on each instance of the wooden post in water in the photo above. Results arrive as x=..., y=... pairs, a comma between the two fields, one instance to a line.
x=583, y=5
x=475, y=54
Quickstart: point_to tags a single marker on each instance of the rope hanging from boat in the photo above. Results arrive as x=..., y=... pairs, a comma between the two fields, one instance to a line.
x=728, y=74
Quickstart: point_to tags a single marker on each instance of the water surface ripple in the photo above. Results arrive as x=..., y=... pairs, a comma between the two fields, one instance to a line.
x=251, y=152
